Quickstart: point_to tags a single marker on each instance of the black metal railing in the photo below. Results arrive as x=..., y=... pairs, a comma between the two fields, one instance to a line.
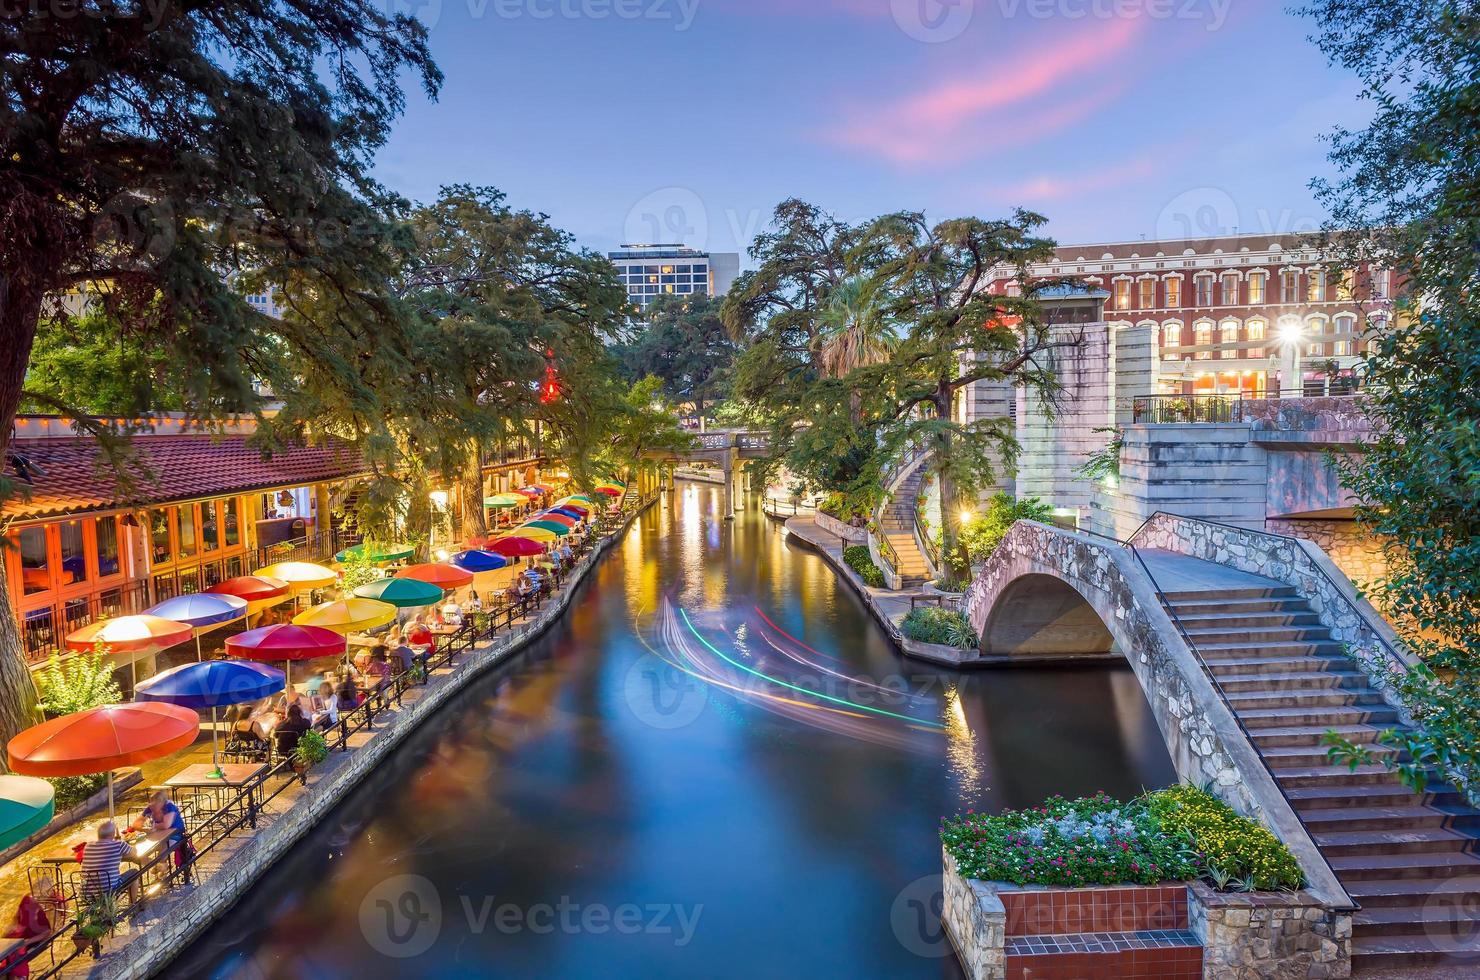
x=1174, y=409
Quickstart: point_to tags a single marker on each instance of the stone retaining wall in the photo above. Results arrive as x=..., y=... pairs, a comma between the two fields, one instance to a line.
x=152, y=949
x=1268, y=935
x=849, y=533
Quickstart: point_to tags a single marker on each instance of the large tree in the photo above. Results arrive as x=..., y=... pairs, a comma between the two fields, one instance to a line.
x=166, y=156
x=1408, y=198
x=684, y=343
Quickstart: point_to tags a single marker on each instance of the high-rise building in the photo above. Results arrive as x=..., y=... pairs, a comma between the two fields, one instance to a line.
x=650, y=271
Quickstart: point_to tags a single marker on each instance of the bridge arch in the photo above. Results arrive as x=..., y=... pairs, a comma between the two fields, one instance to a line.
x=1038, y=614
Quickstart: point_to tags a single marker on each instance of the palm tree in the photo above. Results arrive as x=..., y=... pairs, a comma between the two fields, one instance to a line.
x=855, y=331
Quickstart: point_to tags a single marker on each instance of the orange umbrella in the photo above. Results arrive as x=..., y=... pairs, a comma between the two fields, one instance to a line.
x=102, y=739
x=438, y=573
x=131, y=634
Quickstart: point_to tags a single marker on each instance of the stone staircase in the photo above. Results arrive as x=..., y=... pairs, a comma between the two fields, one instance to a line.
x=1403, y=857
x=897, y=526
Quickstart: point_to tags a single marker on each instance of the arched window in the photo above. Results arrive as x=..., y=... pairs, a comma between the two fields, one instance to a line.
x=1230, y=289
x=1171, y=336
x=1315, y=329
x=1289, y=285
x=1203, y=337
x=1345, y=328
x=1255, y=330
x=1228, y=338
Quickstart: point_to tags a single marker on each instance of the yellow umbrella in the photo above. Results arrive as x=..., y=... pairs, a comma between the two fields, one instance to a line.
x=347, y=615
x=301, y=576
x=534, y=533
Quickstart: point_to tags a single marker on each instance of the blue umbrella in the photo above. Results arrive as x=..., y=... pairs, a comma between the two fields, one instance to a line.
x=200, y=610
x=574, y=515
x=211, y=684
x=478, y=561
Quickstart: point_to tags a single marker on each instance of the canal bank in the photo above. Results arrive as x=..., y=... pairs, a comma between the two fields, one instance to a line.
x=596, y=772
x=168, y=924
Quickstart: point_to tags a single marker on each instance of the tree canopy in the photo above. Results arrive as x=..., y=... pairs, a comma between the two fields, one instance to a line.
x=684, y=343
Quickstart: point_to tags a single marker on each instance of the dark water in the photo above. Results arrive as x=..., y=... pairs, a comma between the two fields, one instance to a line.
x=716, y=766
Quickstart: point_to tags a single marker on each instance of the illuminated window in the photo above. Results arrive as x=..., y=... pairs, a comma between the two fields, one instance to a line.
x=1315, y=289
x=1171, y=336
x=1148, y=294
x=1256, y=288
x=210, y=531
x=1379, y=283
x=187, y=530
x=1123, y=294
x=74, y=556
x=1344, y=285
x=1174, y=291
x=1254, y=330
x=1204, y=337
x=1289, y=285
x=159, y=536
x=105, y=533
x=35, y=575
x=1230, y=290
x=1228, y=338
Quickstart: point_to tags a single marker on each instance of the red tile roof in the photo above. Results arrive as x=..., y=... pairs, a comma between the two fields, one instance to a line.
x=75, y=477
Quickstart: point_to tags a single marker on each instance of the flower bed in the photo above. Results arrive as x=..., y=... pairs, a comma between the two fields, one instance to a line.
x=929, y=624
x=1177, y=834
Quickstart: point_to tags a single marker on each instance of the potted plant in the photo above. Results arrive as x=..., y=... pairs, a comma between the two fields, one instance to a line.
x=96, y=920
x=312, y=749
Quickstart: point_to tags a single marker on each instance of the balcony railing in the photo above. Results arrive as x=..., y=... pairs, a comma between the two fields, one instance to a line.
x=1176, y=409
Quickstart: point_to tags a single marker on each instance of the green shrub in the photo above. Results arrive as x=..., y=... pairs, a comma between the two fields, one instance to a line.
x=857, y=558
x=1235, y=846
x=929, y=624
x=82, y=682
x=983, y=533
x=1175, y=834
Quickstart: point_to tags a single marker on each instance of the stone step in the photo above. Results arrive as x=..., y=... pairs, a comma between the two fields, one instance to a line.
x=1178, y=596
x=1304, y=798
x=1223, y=652
x=1344, y=843
x=1273, y=666
x=1383, y=893
x=1286, y=757
x=1261, y=604
x=1444, y=920
x=1390, y=954
x=1415, y=816
x=1242, y=621
x=1312, y=735
x=1255, y=718
x=1408, y=867
x=1315, y=680
x=1264, y=636
x=1329, y=775
x=1275, y=696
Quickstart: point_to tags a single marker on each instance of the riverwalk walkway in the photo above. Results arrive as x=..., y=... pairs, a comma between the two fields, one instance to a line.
x=285, y=806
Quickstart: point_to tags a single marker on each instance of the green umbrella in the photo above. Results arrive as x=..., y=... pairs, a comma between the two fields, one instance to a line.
x=554, y=527
x=377, y=552
x=401, y=592
x=26, y=804
x=501, y=500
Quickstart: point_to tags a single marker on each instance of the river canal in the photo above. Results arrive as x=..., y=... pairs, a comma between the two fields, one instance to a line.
x=716, y=765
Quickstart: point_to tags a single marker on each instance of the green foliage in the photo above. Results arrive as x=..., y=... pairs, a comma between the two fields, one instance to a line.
x=100, y=915
x=685, y=344
x=1175, y=834
x=837, y=506
x=858, y=558
x=72, y=790
x=985, y=531
x=1235, y=845
x=928, y=624
x=94, y=363
x=1103, y=465
x=312, y=749
x=358, y=568
x=85, y=680
x=1408, y=199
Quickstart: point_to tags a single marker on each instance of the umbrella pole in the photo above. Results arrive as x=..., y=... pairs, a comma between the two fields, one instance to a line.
x=215, y=747
x=198, y=657
x=110, y=796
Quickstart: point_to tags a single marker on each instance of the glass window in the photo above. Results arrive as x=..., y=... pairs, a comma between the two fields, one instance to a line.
x=1254, y=330
x=1204, y=339
x=159, y=536
x=188, y=540
x=701, y=288
x=1379, y=283
x=233, y=531
x=1228, y=338
x=1171, y=336
x=1230, y=290
x=1344, y=285
x=1174, y=291
x=1256, y=288
x=74, y=555
x=210, y=531
x=1204, y=290
x=1148, y=294
x=105, y=534
x=1289, y=285
x=35, y=575
x=1123, y=295
x=1315, y=286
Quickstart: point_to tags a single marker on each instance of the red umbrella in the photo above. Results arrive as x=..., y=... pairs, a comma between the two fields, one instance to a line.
x=516, y=547
x=609, y=491
x=102, y=739
x=438, y=573
x=285, y=641
x=530, y=492
x=253, y=588
x=558, y=519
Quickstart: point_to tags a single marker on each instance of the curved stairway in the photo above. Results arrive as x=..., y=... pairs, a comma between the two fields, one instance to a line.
x=897, y=526
x=1409, y=860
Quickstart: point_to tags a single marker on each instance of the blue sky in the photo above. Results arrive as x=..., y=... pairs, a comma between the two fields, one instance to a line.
x=640, y=120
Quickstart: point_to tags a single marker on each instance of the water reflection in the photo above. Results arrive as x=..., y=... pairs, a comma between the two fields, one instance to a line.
x=716, y=733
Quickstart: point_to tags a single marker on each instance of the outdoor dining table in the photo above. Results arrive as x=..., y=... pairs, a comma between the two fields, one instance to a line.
x=236, y=775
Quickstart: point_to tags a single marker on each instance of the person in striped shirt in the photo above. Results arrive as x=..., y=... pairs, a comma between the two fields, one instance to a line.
x=101, y=860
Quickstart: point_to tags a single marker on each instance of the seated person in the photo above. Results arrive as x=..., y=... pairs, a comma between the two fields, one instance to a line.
x=378, y=674
x=161, y=814
x=347, y=696
x=473, y=605
x=403, y=655
x=362, y=660
x=285, y=739
x=452, y=613
x=419, y=635
x=324, y=705
x=33, y=924
x=101, y=860
x=290, y=697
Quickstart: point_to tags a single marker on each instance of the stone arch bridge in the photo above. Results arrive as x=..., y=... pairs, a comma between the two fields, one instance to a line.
x=727, y=450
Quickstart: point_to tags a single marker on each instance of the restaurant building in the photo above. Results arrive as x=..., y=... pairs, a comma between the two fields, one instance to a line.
x=191, y=509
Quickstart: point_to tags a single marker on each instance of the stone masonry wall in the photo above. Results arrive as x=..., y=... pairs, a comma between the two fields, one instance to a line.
x=975, y=919
x=1356, y=553
x=1268, y=935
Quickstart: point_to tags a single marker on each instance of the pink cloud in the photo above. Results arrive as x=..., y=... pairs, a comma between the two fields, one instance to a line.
x=1050, y=187
x=945, y=122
